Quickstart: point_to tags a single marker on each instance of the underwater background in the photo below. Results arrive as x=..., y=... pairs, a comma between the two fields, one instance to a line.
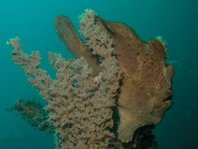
x=33, y=21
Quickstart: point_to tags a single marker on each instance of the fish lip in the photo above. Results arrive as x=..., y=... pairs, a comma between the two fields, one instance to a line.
x=168, y=96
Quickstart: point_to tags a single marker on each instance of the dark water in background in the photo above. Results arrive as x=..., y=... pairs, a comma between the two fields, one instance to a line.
x=175, y=20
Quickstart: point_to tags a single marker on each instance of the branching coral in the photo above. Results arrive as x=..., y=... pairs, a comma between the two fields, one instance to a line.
x=34, y=113
x=79, y=103
x=113, y=68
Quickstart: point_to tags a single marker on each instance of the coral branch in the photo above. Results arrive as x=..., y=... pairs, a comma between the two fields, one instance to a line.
x=34, y=113
x=30, y=63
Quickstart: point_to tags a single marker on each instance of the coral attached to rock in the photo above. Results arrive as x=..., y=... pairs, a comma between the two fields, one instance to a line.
x=113, y=69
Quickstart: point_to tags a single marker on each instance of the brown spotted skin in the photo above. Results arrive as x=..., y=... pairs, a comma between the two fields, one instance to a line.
x=146, y=87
